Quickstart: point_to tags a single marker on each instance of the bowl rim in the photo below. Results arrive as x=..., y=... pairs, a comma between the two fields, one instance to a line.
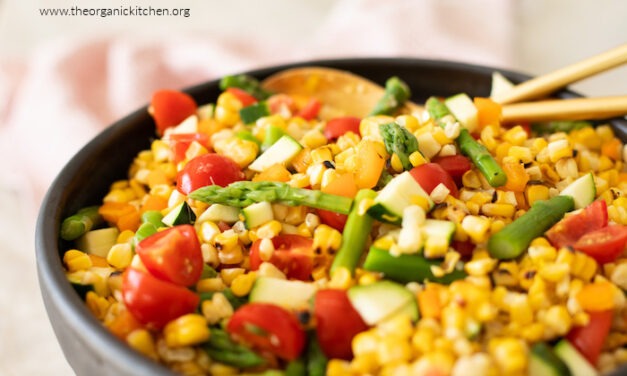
x=58, y=291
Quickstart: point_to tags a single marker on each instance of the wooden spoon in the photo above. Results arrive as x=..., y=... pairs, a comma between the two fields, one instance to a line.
x=342, y=92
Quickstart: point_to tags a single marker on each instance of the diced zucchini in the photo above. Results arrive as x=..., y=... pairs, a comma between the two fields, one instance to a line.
x=290, y=294
x=257, y=214
x=281, y=152
x=583, y=191
x=464, y=110
x=577, y=364
x=436, y=228
x=81, y=288
x=98, y=242
x=403, y=190
x=219, y=212
x=182, y=214
x=544, y=362
x=378, y=301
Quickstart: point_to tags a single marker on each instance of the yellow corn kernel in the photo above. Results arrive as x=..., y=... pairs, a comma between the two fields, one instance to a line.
x=142, y=341
x=227, y=109
x=120, y=255
x=75, y=260
x=498, y=210
x=408, y=121
x=216, y=309
x=440, y=136
x=416, y=159
x=439, y=362
x=187, y=330
x=347, y=140
x=487, y=137
x=210, y=285
x=515, y=135
x=341, y=279
x=219, y=369
x=267, y=269
x=399, y=326
x=243, y=152
x=365, y=342
x=521, y=154
x=326, y=238
x=242, y=284
x=559, y=149
x=313, y=139
x=554, y=272
x=435, y=247
x=366, y=364
x=557, y=319
x=519, y=309
x=321, y=154
x=605, y=132
x=583, y=266
x=480, y=267
x=269, y=230
x=338, y=367
x=536, y=192
x=231, y=256
x=125, y=236
x=510, y=354
x=476, y=227
x=538, y=294
x=395, y=162
x=97, y=305
x=226, y=240
x=392, y=351
x=470, y=179
x=369, y=127
x=229, y=274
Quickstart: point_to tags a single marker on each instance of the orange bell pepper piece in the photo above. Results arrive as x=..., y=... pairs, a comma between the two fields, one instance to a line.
x=612, y=149
x=113, y=211
x=488, y=111
x=369, y=164
x=598, y=296
x=429, y=302
x=343, y=185
x=154, y=202
x=123, y=324
x=517, y=177
x=276, y=172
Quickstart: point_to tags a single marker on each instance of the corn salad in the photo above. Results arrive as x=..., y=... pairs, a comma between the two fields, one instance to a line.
x=465, y=312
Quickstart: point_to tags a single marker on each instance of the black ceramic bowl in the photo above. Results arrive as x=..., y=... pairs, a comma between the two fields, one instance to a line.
x=88, y=346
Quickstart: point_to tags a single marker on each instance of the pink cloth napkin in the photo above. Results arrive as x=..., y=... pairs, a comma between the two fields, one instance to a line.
x=59, y=97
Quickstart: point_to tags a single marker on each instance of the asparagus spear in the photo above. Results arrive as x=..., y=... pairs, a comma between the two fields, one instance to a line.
x=78, y=224
x=398, y=140
x=221, y=348
x=477, y=153
x=243, y=193
x=246, y=83
x=355, y=234
x=406, y=268
x=316, y=360
x=151, y=221
x=396, y=94
x=514, y=238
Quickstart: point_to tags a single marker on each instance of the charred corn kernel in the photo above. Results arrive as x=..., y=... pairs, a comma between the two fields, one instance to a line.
x=471, y=180
x=210, y=285
x=487, y=137
x=267, y=269
x=242, y=284
x=476, y=227
x=559, y=149
x=187, y=330
x=338, y=367
x=266, y=249
x=498, y=210
x=428, y=145
x=515, y=135
x=120, y=255
x=520, y=153
x=226, y=240
x=416, y=159
x=75, y=260
x=97, y=304
x=326, y=238
x=506, y=274
x=321, y=154
x=510, y=354
x=229, y=274
x=142, y=341
x=216, y=309
x=396, y=163
x=557, y=319
x=341, y=279
x=313, y=139
x=269, y=230
x=347, y=140
x=243, y=152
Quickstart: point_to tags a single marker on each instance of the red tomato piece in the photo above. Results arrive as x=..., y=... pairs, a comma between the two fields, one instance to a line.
x=281, y=103
x=589, y=339
x=268, y=327
x=180, y=143
x=456, y=165
x=567, y=231
x=293, y=255
x=333, y=219
x=430, y=175
x=173, y=255
x=208, y=169
x=338, y=126
x=604, y=245
x=170, y=108
x=335, y=335
x=464, y=248
x=154, y=302
x=310, y=110
x=243, y=96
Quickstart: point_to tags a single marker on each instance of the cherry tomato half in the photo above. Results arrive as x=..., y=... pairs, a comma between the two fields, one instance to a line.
x=567, y=231
x=155, y=302
x=171, y=107
x=310, y=109
x=243, y=96
x=180, y=143
x=208, y=169
x=456, y=165
x=333, y=219
x=589, y=339
x=293, y=255
x=338, y=126
x=173, y=255
x=605, y=244
x=268, y=327
x=334, y=335
x=430, y=175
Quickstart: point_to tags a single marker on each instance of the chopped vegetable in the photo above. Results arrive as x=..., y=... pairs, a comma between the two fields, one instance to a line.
x=78, y=224
x=245, y=82
x=396, y=94
x=398, y=140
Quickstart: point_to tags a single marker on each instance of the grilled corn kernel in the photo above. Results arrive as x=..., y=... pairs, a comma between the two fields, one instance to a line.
x=242, y=284
x=120, y=255
x=341, y=279
x=365, y=342
x=559, y=149
x=98, y=305
x=75, y=260
x=520, y=153
x=313, y=139
x=554, y=272
x=557, y=319
x=187, y=330
x=227, y=109
x=219, y=369
x=228, y=275
x=326, y=238
x=510, y=354
x=269, y=230
x=210, y=285
x=470, y=179
x=141, y=340
x=217, y=308
x=395, y=163
x=476, y=227
x=618, y=276
x=338, y=367
x=416, y=159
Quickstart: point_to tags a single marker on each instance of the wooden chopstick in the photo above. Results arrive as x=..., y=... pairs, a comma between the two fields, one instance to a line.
x=567, y=109
x=545, y=84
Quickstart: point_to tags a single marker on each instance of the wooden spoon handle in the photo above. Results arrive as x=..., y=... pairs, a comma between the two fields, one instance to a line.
x=567, y=109
x=542, y=85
